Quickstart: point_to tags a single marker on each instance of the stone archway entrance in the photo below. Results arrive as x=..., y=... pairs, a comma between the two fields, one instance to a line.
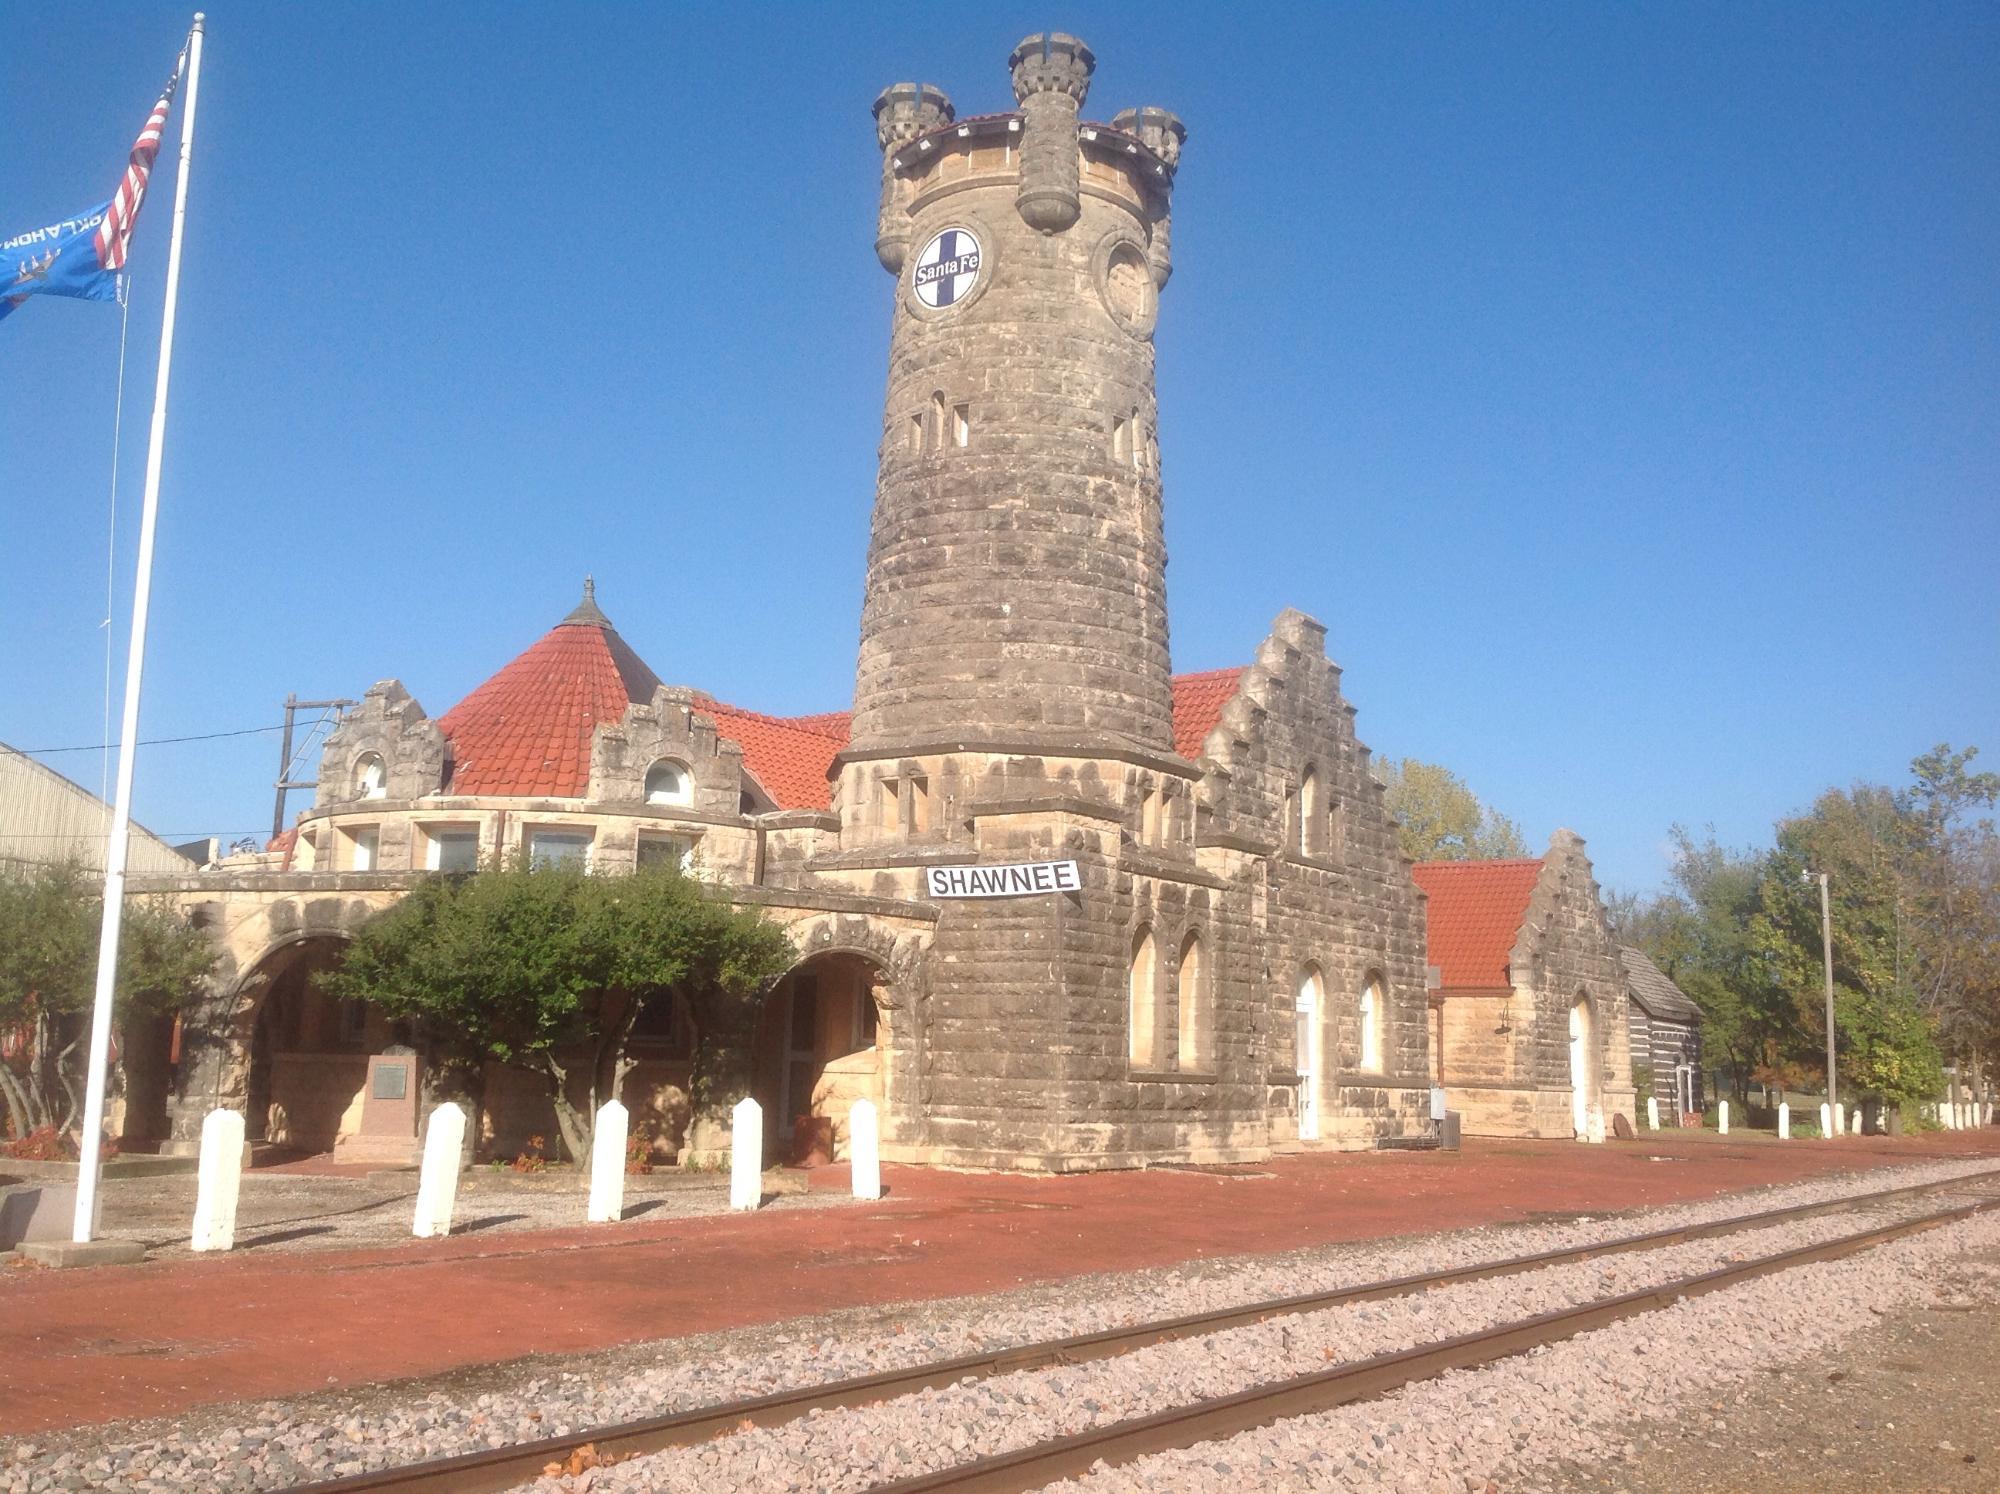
x=821, y=1045
x=308, y=1051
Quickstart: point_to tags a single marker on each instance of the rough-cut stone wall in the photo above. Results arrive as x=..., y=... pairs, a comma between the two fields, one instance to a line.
x=1335, y=898
x=1016, y=582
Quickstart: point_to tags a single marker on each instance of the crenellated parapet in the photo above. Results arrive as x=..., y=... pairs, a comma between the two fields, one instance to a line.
x=903, y=111
x=1162, y=133
x=1051, y=78
x=385, y=748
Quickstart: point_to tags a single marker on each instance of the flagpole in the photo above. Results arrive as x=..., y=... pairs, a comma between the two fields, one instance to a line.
x=117, y=843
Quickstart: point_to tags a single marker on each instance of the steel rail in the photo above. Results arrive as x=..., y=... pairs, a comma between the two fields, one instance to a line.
x=1226, y=1416
x=495, y=1469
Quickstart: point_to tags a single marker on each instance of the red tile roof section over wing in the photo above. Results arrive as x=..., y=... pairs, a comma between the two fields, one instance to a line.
x=526, y=731
x=788, y=755
x=1198, y=703
x=1476, y=908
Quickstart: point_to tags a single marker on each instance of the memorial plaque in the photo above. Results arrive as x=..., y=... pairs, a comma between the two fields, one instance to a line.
x=392, y=1081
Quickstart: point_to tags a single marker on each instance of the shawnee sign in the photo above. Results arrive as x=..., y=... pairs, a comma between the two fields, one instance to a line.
x=1020, y=879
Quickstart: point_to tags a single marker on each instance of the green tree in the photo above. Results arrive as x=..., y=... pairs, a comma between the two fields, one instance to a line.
x=1698, y=933
x=1440, y=819
x=50, y=920
x=1865, y=839
x=547, y=968
x=1951, y=903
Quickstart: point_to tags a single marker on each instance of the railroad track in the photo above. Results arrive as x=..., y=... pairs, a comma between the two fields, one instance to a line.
x=1032, y=1467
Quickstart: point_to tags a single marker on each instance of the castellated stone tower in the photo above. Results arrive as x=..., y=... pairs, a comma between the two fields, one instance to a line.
x=1016, y=584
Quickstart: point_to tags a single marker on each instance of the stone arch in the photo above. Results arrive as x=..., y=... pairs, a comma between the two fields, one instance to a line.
x=823, y=1036
x=1372, y=1020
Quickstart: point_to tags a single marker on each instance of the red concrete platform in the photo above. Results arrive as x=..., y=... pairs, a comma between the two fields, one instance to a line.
x=88, y=1346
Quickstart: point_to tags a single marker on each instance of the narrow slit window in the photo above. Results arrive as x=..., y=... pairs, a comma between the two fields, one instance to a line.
x=916, y=435
x=1121, y=439
x=961, y=425
x=938, y=428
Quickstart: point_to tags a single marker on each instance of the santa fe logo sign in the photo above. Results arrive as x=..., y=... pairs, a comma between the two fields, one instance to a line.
x=947, y=269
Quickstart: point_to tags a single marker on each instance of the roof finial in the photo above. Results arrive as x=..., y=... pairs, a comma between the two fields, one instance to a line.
x=587, y=610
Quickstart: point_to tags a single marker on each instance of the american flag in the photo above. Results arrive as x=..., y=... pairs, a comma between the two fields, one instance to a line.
x=114, y=234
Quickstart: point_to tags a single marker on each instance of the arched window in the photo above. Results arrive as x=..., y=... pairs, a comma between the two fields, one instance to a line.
x=1197, y=1042
x=667, y=782
x=1306, y=1029
x=1139, y=1007
x=1312, y=815
x=1371, y=1025
x=371, y=779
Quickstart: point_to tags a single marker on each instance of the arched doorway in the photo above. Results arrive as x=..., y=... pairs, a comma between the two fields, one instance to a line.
x=308, y=1051
x=821, y=1045
x=1308, y=1049
x=1583, y=1067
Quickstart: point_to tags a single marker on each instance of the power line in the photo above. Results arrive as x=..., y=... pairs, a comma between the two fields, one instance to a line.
x=209, y=736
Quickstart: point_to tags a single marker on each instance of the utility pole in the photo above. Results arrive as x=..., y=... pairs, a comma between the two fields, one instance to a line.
x=285, y=782
x=1826, y=943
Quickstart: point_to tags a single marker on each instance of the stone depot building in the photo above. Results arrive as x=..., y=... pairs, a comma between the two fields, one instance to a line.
x=1232, y=960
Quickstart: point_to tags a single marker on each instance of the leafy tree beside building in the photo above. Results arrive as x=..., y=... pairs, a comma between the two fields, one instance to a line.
x=1440, y=819
x=547, y=968
x=50, y=920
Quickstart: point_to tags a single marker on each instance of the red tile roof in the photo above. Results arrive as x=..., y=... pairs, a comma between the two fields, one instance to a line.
x=1198, y=703
x=526, y=731
x=1476, y=908
x=788, y=755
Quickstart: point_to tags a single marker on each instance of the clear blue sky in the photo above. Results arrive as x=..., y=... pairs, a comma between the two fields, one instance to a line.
x=1620, y=384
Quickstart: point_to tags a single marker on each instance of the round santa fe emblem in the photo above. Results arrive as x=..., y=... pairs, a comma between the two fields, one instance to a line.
x=948, y=269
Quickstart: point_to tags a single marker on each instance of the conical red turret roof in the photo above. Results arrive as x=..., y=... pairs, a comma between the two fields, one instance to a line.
x=526, y=731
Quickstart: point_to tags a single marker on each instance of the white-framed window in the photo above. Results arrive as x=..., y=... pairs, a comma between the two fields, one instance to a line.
x=666, y=850
x=1371, y=1025
x=669, y=782
x=363, y=845
x=451, y=848
x=1196, y=1046
x=1139, y=985
x=371, y=777
x=547, y=847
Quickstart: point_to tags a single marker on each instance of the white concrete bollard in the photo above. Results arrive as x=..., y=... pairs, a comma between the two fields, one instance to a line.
x=218, y=1181
x=1784, y=1121
x=864, y=1149
x=607, y=1164
x=1825, y=1122
x=746, y=1155
x=437, y=1183
x=1652, y=1112
x=1722, y=1117
x=1593, y=1124
x=1840, y=1119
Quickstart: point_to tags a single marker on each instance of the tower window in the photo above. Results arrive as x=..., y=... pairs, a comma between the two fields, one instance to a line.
x=1121, y=439
x=916, y=435
x=938, y=427
x=961, y=425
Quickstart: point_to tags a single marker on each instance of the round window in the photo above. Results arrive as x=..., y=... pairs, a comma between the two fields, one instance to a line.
x=1126, y=282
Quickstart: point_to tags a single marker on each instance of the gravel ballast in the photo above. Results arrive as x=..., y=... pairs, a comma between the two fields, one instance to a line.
x=1578, y=1402
x=271, y=1444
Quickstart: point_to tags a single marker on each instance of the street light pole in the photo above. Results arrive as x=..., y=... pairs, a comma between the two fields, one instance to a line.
x=1826, y=943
